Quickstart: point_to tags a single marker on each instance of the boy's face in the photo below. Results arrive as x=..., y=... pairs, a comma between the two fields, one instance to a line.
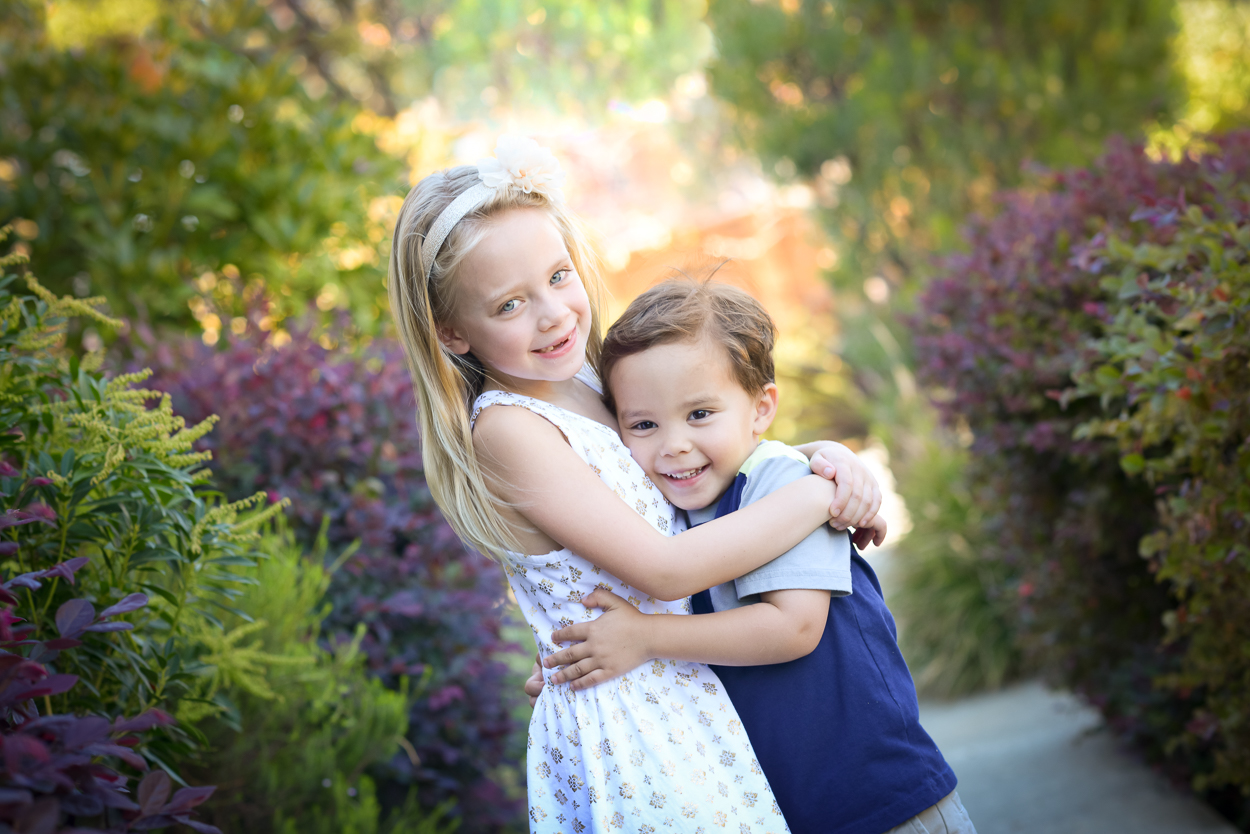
x=687, y=421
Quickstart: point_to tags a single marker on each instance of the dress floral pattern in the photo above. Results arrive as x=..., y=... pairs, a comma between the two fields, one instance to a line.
x=659, y=749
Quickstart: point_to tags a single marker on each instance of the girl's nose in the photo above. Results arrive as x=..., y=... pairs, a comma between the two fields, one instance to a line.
x=552, y=314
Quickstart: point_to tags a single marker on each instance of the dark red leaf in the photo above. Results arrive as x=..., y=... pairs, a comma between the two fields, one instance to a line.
x=66, y=569
x=187, y=798
x=16, y=518
x=146, y=721
x=61, y=643
x=14, y=796
x=131, y=603
x=154, y=792
x=40, y=818
x=74, y=616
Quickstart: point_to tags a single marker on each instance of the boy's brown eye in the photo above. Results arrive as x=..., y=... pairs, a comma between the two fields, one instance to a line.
x=699, y=414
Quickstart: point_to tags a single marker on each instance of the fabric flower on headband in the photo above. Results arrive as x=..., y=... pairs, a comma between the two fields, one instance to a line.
x=521, y=162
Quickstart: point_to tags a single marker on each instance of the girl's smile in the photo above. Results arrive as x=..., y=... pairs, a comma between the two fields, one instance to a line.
x=519, y=305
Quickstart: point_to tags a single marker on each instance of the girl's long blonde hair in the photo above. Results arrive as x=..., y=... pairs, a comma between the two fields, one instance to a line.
x=446, y=384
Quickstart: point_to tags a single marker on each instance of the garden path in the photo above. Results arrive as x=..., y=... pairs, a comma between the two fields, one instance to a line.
x=1034, y=761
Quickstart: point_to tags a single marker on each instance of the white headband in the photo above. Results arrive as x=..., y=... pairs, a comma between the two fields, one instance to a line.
x=519, y=162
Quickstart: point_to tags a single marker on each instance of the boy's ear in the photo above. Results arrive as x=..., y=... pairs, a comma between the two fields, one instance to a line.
x=765, y=408
x=451, y=339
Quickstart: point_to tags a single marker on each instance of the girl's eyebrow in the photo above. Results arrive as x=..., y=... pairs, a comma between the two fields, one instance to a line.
x=503, y=294
x=516, y=288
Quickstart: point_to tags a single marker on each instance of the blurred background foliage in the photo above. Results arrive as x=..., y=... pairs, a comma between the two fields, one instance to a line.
x=225, y=173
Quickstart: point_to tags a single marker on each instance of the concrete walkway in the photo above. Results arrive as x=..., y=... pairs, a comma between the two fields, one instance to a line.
x=1032, y=761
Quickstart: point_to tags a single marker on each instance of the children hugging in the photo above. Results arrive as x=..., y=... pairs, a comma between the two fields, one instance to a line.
x=808, y=721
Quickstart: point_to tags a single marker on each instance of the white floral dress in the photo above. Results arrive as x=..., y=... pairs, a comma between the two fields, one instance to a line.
x=659, y=749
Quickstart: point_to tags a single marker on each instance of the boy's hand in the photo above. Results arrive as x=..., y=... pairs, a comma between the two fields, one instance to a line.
x=857, y=497
x=872, y=534
x=534, y=683
x=608, y=647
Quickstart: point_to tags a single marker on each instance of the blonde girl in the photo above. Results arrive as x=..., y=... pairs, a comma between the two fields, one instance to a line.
x=495, y=294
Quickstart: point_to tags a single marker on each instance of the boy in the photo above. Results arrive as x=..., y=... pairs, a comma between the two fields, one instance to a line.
x=833, y=717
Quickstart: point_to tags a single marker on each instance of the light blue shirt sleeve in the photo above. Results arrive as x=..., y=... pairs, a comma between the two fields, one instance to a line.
x=822, y=561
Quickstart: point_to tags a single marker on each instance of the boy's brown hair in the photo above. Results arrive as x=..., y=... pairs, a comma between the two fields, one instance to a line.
x=686, y=310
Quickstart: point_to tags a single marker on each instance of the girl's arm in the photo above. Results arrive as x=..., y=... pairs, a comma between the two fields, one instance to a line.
x=532, y=467
x=787, y=625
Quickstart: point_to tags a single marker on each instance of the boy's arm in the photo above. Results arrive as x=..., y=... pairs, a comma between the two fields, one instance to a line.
x=785, y=626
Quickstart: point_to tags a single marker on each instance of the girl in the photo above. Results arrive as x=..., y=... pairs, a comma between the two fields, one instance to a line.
x=494, y=292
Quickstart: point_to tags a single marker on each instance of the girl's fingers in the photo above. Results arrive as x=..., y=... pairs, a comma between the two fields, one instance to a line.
x=600, y=598
x=841, y=494
x=593, y=679
x=569, y=673
x=571, y=634
x=597, y=598
x=874, y=507
x=564, y=657
x=857, y=505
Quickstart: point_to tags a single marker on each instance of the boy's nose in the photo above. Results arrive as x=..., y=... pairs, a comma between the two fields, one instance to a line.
x=675, y=444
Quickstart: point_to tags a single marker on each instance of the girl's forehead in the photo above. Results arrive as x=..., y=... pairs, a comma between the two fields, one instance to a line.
x=515, y=245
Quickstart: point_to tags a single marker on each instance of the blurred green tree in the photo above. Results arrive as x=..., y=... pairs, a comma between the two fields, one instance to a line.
x=569, y=57
x=908, y=116
x=186, y=162
x=230, y=162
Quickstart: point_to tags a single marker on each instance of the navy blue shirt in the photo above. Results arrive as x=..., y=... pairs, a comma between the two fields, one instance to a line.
x=838, y=732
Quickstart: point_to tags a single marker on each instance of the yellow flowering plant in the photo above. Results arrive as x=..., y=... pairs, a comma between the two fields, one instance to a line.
x=110, y=472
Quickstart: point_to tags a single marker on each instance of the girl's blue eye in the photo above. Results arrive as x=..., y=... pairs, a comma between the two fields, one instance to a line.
x=508, y=306
x=700, y=413
x=559, y=276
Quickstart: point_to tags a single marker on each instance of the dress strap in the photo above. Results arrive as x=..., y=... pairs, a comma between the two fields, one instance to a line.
x=561, y=418
x=553, y=414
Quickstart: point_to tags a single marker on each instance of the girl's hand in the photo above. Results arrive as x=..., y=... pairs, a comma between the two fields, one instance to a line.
x=534, y=683
x=857, y=497
x=608, y=647
x=873, y=534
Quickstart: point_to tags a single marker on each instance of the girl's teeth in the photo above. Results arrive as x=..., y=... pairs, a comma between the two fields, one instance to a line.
x=553, y=347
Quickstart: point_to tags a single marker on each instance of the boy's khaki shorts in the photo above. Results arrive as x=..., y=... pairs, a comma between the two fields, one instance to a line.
x=946, y=817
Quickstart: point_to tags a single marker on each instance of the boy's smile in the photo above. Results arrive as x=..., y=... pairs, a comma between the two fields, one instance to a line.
x=687, y=420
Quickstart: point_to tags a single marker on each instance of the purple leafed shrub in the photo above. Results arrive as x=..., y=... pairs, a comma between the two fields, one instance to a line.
x=337, y=434
x=55, y=776
x=1094, y=341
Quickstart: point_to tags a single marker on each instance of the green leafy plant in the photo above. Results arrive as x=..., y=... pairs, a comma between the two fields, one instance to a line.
x=1093, y=345
x=313, y=725
x=1172, y=373
x=120, y=496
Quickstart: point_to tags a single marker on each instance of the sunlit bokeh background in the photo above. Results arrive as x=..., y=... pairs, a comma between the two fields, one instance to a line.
x=226, y=174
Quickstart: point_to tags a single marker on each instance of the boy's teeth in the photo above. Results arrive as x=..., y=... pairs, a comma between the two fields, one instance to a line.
x=687, y=475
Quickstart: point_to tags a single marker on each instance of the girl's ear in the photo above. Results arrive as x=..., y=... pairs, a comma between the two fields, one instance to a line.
x=765, y=408
x=452, y=339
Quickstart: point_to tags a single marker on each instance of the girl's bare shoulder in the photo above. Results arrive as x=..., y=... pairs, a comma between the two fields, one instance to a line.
x=502, y=426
